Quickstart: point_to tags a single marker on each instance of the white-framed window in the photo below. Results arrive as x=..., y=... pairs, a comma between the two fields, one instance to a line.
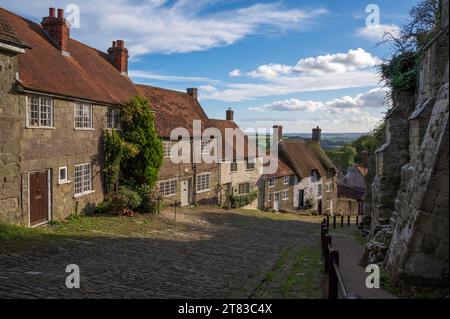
x=83, y=116
x=113, y=118
x=250, y=164
x=271, y=182
x=168, y=187
x=233, y=166
x=285, y=195
x=286, y=180
x=40, y=111
x=203, y=182
x=244, y=188
x=83, y=179
x=329, y=187
x=63, y=175
x=167, y=149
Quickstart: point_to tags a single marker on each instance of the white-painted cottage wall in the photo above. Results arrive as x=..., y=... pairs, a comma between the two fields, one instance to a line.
x=242, y=175
x=311, y=190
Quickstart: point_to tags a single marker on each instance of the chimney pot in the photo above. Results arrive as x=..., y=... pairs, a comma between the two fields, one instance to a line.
x=192, y=92
x=229, y=114
x=316, y=134
x=119, y=56
x=57, y=28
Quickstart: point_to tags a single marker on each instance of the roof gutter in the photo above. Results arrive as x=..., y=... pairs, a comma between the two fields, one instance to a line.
x=11, y=48
x=22, y=89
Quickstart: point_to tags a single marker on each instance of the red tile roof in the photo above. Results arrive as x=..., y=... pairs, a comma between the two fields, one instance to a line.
x=173, y=109
x=221, y=125
x=86, y=74
x=8, y=35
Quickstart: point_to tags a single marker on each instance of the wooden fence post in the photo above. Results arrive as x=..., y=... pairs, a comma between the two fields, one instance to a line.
x=328, y=221
x=342, y=220
x=334, y=221
x=333, y=284
x=348, y=220
x=357, y=220
x=327, y=253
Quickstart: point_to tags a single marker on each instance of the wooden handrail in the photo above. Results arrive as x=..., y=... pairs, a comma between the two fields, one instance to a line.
x=331, y=266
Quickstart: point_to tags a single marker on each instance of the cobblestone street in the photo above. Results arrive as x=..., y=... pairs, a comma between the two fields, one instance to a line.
x=213, y=254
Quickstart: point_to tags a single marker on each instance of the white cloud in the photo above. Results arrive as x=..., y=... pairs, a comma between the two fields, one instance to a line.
x=238, y=92
x=347, y=105
x=235, y=73
x=159, y=26
x=377, y=31
x=207, y=88
x=352, y=69
x=167, y=78
x=331, y=63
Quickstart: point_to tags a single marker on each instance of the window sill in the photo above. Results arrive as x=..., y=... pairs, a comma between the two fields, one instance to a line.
x=167, y=196
x=84, y=129
x=64, y=182
x=83, y=194
x=41, y=127
x=203, y=191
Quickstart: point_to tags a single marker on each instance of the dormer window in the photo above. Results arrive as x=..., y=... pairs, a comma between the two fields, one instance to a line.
x=314, y=176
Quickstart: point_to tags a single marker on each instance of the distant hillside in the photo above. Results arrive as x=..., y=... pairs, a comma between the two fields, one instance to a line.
x=329, y=140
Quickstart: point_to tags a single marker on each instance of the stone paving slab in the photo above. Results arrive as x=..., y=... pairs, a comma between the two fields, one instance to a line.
x=216, y=254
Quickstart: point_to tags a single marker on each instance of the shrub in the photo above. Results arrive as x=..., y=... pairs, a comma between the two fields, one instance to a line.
x=152, y=201
x=243, y=200
x=139, y=130
x=124, y=198
x=103, y=207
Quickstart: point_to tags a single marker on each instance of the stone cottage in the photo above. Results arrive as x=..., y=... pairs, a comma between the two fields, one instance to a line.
x=187, y=182
x=240, y=172
x=351, y=190
x=57, y=96
x=307, y=173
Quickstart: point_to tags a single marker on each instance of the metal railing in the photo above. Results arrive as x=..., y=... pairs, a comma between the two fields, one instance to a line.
x=331, y=263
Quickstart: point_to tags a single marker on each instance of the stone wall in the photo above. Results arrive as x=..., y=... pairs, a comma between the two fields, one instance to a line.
x=409, y=199
x=279, y=187
x=9, y=141
x=63, y=145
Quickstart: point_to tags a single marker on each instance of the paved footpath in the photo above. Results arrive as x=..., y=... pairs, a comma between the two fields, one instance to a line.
x=354, y=276
x=214, y=254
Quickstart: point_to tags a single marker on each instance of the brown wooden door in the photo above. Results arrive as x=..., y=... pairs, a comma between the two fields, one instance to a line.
x=38, y=197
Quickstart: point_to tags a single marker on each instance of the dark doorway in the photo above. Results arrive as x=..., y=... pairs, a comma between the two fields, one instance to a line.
x=301, y=198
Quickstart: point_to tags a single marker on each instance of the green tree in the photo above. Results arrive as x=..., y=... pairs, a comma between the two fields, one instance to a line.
x=115, y=150
x=139, y=130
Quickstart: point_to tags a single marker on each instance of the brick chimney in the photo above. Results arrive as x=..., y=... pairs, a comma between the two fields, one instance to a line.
x=192, y=92
x=230, y=114
x=279, y=128
x=316, y=134
x=58, y=29
x=119, y=56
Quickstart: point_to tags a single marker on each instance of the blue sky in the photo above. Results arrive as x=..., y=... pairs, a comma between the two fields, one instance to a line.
x=295, y=63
